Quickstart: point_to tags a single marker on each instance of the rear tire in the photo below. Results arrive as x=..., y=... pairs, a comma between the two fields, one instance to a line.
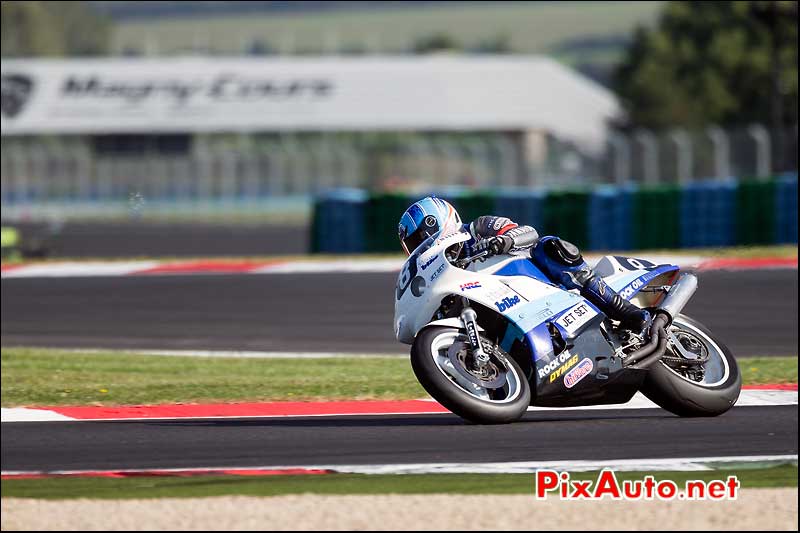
x=430, y=367
x=682, y=396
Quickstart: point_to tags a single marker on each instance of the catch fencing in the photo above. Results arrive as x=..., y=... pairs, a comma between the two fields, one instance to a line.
x=37, y=172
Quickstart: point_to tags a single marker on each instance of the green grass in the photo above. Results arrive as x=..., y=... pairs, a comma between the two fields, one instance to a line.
x=200, y=486
x=53, y=377
x=757, y=370
x=39, y=376
x=743, y=252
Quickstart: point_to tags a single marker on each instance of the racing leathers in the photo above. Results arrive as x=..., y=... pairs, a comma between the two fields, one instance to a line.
x=560, y=260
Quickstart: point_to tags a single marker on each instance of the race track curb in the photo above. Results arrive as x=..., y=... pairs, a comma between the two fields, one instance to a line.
x=227, y=267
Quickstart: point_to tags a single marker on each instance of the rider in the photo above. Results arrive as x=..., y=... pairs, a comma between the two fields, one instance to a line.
x=560, y=260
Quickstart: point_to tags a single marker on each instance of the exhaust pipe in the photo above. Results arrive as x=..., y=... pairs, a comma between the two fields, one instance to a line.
x=677, y=298
x=679, y=295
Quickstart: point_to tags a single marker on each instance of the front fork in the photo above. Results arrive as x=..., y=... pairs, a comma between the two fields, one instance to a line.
x=470, y=320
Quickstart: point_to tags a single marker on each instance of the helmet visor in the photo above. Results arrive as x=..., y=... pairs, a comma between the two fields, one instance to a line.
x=413, y=241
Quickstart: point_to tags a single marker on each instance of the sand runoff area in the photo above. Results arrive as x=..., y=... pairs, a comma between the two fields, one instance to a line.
x=763, y=509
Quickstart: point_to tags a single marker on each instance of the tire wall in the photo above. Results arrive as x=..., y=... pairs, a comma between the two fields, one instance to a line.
x=700, y=214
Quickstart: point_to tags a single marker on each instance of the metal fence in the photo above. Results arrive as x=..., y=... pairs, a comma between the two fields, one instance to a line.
x=45, y=170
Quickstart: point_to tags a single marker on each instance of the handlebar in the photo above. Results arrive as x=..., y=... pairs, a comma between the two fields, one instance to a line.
x=461, y=263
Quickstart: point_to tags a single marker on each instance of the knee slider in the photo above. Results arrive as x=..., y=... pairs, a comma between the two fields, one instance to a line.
x=564, y=252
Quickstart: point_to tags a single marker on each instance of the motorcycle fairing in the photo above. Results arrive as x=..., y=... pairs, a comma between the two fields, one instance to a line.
x=627, y=275
x=529, y=322
x=523, y=267
x=608, y=382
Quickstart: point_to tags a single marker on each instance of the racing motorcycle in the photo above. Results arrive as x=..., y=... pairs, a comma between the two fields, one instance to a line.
x=491, y=335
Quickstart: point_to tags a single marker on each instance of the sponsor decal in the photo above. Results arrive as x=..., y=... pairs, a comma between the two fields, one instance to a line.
x=561, y=363
x=507, y=303
x=182, y=92
x=629, y=291
x=438, y=271
x=574, y=318
x=498, y=224
x=428, y=263
x=544, y=313
x=452, y=238
x=473, y=334
x=583, y=369
x=558, y=372
x=470, y=285
x=430, y=221
x=631, y=263
x=15, y=91
x=494, y=292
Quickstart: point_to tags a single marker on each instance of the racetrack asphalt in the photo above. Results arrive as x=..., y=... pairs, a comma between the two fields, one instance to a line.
x=399, y=439
x=753, y=312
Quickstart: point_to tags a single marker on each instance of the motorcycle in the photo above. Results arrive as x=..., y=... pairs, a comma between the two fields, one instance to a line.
x=491, y=335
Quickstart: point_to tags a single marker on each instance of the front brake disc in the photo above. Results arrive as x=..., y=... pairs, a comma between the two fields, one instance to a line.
x=489, y=377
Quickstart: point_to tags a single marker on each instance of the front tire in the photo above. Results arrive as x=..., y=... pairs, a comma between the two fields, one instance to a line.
x=682, y=391
x=499, y=397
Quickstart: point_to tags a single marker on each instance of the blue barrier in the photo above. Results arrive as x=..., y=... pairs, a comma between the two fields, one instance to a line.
x=522, y=206
x=708, y=214
x=339, y=222
x=786, y=209
x=609, y=218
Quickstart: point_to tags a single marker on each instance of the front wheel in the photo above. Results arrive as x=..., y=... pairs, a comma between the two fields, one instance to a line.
x=498, y=394
x=706, y=383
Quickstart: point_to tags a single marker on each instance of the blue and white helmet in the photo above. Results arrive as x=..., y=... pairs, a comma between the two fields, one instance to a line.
x=423, y=219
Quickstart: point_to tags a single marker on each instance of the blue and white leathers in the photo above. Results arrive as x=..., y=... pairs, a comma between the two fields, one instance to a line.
x=563, y=263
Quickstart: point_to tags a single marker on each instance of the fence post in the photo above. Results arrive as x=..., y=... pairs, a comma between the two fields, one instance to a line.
x=622, y=157
x=722, y=153
x=448, y=151
x=481, y=162
x=761, y=137
x=683, y=145
x=650, y=155
x=351, y=161
x=509, y=162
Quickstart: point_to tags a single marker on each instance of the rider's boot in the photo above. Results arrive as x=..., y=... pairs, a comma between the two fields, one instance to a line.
x=563, y=263
x=597, y=291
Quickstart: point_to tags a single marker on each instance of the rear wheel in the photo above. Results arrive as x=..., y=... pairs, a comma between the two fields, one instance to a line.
x=497, y=394
x=702, y=379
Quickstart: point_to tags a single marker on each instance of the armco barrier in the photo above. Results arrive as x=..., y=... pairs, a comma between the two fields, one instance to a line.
x=710, y=213
x=786, y=209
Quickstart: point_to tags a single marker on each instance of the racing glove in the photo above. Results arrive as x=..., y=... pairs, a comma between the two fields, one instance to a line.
x=501, y=244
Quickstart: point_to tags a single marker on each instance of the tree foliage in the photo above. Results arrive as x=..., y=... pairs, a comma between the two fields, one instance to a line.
x=713, y=62
x=53, y=29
